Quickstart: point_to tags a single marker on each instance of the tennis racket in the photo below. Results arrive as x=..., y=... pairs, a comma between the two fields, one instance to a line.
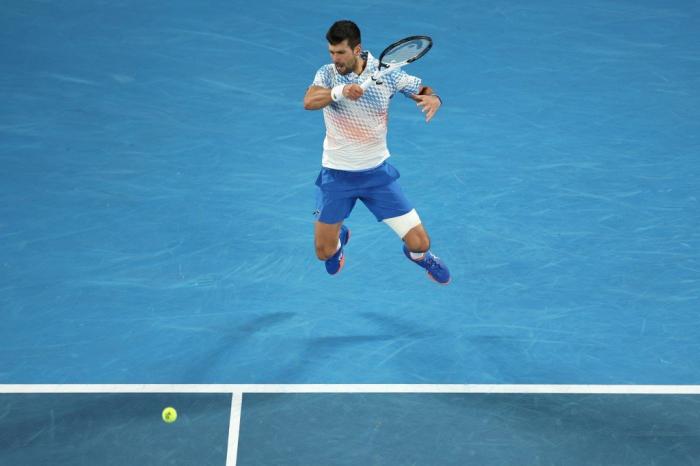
x=399, y=54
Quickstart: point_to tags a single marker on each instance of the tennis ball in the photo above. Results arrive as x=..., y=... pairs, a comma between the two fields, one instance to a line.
x=169, y=415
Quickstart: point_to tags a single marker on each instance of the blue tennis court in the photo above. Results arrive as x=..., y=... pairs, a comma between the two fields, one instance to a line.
x=156, y=227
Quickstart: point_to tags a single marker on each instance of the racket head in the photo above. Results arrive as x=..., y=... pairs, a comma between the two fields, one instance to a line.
x=406, y=50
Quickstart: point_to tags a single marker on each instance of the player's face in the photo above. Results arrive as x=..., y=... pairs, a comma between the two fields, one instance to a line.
x=344, y=58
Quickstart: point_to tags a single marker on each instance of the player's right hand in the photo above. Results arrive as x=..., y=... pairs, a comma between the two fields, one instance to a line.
x=353, y=91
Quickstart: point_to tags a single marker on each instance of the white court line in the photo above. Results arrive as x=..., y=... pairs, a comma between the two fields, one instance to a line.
x=238, y=390
x=355, y=388
x=234, y=427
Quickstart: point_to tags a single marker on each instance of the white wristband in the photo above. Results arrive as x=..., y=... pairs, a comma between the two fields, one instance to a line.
x=337, y=93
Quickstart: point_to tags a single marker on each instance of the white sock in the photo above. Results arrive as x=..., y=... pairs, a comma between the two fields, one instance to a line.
x=339, y=246
x=417, y=255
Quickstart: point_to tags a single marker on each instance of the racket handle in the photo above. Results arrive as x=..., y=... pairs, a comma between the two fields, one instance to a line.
x=377, y=76
x=367, y=82
x=374, y=78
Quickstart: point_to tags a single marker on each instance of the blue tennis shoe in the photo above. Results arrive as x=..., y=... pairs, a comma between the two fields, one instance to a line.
x=337, y=261
x=436, y=268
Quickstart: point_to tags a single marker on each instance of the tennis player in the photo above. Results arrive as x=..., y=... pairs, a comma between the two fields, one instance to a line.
x=354, y=163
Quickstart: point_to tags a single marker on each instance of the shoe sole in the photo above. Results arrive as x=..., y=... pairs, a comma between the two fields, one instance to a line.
x=342, y=263
x=433, y=279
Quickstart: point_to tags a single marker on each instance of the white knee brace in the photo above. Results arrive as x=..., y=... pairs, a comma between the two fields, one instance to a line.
x=403, y=223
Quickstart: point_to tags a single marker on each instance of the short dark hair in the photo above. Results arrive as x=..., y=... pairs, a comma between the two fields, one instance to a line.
x=344, y=29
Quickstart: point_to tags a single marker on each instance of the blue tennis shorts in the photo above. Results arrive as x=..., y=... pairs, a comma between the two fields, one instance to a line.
x=377, y=188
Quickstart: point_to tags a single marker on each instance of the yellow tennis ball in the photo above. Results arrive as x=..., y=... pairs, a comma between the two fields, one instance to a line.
x=169, y=415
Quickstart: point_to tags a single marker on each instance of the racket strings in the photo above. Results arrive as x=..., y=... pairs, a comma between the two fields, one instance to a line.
x=405, y=52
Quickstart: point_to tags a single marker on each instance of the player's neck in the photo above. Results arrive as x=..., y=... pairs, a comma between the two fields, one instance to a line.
x=359, y=66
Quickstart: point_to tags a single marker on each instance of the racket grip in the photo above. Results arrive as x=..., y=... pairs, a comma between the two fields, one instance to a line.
x=367, y=82
x=375, y=77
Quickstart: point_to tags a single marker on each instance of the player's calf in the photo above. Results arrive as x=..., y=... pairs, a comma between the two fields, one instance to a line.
x=326, y=251
x=336, y=262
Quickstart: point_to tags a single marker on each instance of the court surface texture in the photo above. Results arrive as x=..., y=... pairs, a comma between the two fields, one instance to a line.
x=156, y=238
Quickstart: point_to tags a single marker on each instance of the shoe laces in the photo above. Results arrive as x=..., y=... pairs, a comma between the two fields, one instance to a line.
x=431, y=262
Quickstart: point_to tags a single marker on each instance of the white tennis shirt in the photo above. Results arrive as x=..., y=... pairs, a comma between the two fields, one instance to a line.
x=356, y=130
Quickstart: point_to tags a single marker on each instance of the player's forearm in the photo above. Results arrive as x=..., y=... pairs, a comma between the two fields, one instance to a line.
x=316, y=98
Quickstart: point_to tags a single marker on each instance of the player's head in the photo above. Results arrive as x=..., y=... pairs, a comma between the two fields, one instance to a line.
x=344, y=45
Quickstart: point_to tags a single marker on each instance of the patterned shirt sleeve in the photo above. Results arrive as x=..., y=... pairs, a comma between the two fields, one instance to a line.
x=404, y=83
x=323, y=77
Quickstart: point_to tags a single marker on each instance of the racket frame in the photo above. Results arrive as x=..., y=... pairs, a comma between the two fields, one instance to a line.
x=385, y=69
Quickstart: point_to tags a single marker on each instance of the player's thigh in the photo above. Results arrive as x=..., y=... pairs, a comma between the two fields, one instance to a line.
x=387, y=201
x=333, y=206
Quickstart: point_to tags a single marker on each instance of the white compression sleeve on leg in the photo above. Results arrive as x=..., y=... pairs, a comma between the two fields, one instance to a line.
x=403, y=223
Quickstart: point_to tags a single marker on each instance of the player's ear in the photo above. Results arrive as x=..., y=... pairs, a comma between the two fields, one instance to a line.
x=357, y=50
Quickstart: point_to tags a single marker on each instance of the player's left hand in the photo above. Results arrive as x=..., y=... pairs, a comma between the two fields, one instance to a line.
x=352, y=91
x=428, y=104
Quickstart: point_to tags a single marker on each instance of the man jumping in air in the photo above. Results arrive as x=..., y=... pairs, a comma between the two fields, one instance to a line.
x=354, y=164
